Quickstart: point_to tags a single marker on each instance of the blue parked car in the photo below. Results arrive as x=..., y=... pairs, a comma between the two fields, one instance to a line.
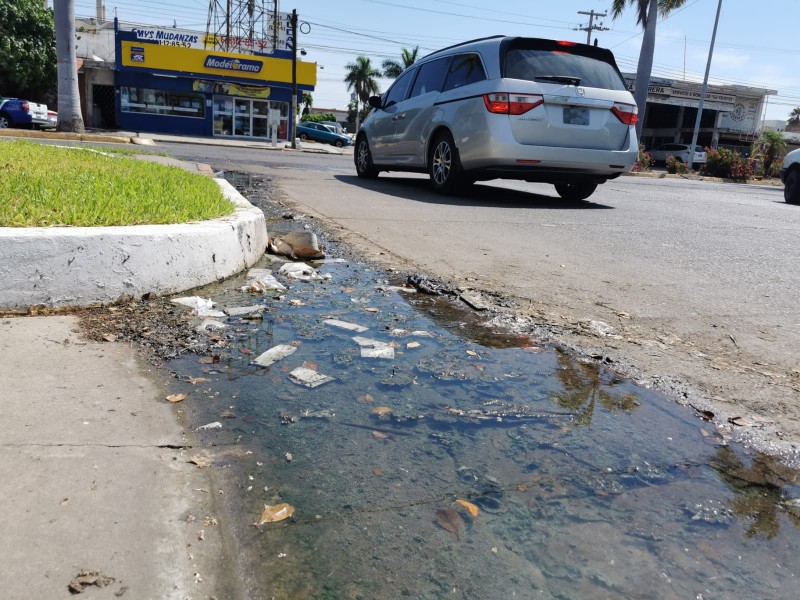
x=321, y=133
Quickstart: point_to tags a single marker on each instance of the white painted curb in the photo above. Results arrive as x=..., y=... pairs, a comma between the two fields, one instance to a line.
x=60, y=267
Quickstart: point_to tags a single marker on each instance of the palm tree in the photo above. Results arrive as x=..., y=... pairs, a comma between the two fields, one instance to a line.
x=392, y=68
x=648, y=12
x=361, y=78
x=794, y=116
x=69, y=105
x=770, y=148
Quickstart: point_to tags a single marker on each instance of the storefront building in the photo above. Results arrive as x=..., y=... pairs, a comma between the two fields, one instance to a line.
x=731, y=116
x=179, y=83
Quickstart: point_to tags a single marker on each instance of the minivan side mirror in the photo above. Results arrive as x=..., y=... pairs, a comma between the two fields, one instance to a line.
x=375, y=102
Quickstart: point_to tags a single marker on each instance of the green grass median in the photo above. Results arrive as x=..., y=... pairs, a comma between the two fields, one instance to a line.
x=47, y=186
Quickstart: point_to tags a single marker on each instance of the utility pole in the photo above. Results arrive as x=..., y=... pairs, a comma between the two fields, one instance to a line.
x=705, y=87
x=591, y=26
x=294, y=78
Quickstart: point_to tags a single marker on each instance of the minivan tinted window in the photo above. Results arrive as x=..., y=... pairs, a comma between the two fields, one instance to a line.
x=465, y=69
x=561, y=62
x=431, y=77
x=397, y=93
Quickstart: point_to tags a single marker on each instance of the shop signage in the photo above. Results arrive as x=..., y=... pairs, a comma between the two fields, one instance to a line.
x=233, y=64
x=686, y=93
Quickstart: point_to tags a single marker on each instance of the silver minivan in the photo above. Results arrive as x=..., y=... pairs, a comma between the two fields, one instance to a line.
x=505, y=107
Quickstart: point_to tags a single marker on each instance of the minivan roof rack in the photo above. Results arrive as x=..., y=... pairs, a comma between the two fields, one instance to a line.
x=490, y=37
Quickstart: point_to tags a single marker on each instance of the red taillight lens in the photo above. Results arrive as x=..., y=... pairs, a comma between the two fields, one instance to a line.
x=511, y=104
x=26, y=106
x=627, y=113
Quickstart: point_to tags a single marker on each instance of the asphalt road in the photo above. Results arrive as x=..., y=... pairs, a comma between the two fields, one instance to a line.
x=698, y=280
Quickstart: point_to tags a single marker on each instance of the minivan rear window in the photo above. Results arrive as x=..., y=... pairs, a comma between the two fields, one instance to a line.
x=568, y=64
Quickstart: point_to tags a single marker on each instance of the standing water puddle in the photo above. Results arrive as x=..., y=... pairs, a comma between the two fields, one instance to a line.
x=457, y=468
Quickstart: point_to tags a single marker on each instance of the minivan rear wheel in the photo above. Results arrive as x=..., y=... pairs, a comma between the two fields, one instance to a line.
x=444, y=166
x=791, y=192
x=575, y=191
x=363, y=159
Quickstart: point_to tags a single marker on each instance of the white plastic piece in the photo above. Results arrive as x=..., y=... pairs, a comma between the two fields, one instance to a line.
x=308, y=377
x=202, y=307
x=302, y=272
x=345, y=325
x=274, y=354
x=374, y=348
x=214, y=425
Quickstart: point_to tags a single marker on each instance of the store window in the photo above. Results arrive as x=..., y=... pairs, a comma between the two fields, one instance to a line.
x=162, y=102
x=249, y=117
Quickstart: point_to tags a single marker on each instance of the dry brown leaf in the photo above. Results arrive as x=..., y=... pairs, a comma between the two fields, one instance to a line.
x=381, y=410
x=227, y=414
x=194, y=380
x=310, y=365
x=448, y=519
x=110, y=337
x=380, y=435
x=377, y=472
x=470, y=507
x=176, y=398
x=273, y=514
x=200, y=461
x=245, y=351
x=522, y=487
x=365, y=398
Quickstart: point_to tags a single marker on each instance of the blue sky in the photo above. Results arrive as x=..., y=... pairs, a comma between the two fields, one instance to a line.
x=757, y=43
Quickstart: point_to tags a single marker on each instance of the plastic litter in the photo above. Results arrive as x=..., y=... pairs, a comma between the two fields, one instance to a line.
x=302, y=272
x=404, y=332
x=308, y=377
x=262, y=280
x=214, y=425
x=202, y=307
x=245, y=311
x=297, y=245
x=374, y=348
x=210, y=325
x=345, y=325
x=274, y=354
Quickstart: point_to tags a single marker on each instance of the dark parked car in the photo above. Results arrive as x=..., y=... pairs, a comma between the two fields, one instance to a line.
x=321, y=133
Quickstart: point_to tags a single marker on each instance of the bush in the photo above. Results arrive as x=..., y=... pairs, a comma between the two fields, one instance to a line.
x=317, y=118
x=644, y=162
x=721, y=162
x=675, y=165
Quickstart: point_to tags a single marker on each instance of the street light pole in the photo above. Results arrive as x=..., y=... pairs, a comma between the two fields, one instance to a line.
x=705, y=87
x=294, y=78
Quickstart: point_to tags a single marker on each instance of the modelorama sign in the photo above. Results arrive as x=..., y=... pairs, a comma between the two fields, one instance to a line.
x=203, y=62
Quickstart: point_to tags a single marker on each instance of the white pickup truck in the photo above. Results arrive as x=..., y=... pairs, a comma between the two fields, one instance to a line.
x=790, y=176
x=24, y=113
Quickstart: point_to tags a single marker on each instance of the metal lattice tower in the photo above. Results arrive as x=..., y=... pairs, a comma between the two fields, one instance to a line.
x=243, y=26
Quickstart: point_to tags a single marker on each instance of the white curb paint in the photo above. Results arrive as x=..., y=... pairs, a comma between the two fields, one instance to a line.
x=83, y=266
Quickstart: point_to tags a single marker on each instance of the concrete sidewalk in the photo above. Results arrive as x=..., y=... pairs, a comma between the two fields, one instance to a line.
x=96, y=477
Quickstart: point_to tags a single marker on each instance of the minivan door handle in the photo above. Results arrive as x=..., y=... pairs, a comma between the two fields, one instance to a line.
x=398, y=117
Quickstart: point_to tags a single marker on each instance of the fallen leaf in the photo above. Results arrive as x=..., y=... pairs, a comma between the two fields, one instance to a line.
x=177, y=398
x=366, y=398
x=110, y=337
x=210, y=360
x=200, y=461
x=227, y=414
x=380, y=436
x=199, y=380
x=448, y=519
x=377, y=472
x=273, y=514
x=310, y=365
x=470, y=507
x=522, y=487
x=381, y=410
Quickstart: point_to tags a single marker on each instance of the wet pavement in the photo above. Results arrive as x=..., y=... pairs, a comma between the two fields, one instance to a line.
x=444, y=456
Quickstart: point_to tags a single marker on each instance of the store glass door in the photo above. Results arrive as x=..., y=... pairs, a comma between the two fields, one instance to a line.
x=248, y=117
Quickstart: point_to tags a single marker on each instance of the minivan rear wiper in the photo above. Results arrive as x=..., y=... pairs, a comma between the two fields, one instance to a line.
x=569, y=80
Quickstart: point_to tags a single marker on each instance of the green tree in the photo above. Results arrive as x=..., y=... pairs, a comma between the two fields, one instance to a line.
x=361, y=78
x=308, y=102
x=647, y=16
x=393, y=68
x=794, y=116
x=769, y=148
x=27, y=50
x=69, y=102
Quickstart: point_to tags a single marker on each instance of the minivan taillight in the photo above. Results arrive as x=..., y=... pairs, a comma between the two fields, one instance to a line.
x=627, y=113
x=26, y=107
x=511, y=104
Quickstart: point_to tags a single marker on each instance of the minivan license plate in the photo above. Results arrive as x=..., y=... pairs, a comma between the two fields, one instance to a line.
x=576, y=116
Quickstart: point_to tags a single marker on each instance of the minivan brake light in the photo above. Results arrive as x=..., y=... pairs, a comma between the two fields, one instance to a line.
x=511, y=104
x=627, y=113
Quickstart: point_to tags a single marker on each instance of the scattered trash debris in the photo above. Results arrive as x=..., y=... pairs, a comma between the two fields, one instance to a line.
x=262, y=280
x=429, y=286
x=345, y=325
x=601, y=328
x=202, y=307
x=374, y=348
x=246, y=311
x=214, y=425
x=274, y=514
x=308, y=377
x=302, y=272
x=404, y=333
x=86, y=578
x=324, y=413
x=474, y=300
x=210, y=325
x=412, y=345
x=297, y=245
x=176, y=398
x=288, y=457
x=274, y=354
